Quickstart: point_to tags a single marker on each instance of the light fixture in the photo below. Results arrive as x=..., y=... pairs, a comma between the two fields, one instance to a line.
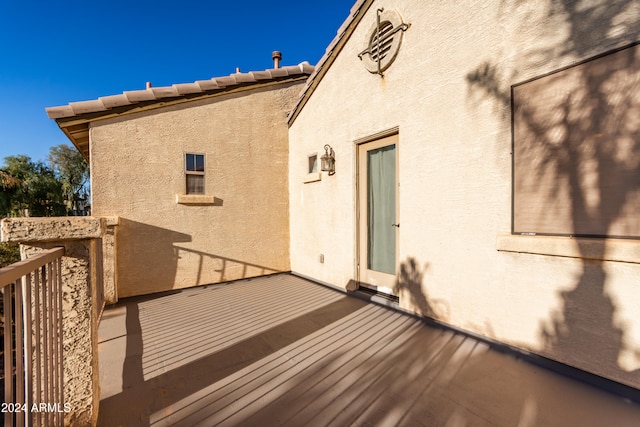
x=328, y=160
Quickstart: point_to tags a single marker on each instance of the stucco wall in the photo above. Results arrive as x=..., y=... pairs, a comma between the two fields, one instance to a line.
x=448, y=92
x=137, y=167
x=81, y=287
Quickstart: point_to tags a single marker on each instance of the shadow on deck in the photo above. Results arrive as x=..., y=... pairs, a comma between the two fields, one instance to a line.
x=280, y=350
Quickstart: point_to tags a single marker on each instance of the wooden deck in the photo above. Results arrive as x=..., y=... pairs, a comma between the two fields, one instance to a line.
x=280, y=350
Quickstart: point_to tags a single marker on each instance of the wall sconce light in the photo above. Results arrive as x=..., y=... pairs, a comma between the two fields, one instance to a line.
x=328, y=160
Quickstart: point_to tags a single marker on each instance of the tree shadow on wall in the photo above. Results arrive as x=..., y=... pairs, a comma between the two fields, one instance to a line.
x=586, y=318
x=576, y=132
x=409, y=286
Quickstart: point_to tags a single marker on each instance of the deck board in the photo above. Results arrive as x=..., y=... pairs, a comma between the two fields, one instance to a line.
x=281, y=350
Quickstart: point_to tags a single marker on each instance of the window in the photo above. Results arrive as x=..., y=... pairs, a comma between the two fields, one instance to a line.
x=576, y=147
x=313, y=163
x=194, y=168
x=313, y=171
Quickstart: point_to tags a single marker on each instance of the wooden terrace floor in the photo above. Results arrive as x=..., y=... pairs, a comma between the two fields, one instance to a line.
x=280, y=350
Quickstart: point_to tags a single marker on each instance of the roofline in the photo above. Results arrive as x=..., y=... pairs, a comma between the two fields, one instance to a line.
x=76, y=127
x=343, y=34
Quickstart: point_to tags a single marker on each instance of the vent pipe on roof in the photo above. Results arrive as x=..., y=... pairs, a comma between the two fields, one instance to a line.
x=237, y=70
x=276, y=56
x=148, y=85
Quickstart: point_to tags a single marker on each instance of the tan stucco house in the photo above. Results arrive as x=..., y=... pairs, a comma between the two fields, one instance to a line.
x=485, y=175
x=487, y=171
x=193, y=176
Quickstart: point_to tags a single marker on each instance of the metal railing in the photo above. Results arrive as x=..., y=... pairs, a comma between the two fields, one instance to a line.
x=33, y=347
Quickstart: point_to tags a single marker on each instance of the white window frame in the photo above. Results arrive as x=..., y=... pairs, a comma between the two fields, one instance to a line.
x=195, y=172
x=313, y=175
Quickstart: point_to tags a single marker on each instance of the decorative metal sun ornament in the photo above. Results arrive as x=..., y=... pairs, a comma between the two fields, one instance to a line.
x=384, y=41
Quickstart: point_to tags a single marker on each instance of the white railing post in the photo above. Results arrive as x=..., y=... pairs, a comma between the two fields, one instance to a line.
x=19, y=345
x=8, y=350
x=26, y=282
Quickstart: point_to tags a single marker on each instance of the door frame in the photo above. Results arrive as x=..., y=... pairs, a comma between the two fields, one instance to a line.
x=386, y=288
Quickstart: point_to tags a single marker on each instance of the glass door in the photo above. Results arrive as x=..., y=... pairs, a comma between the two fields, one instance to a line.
x=378, y=214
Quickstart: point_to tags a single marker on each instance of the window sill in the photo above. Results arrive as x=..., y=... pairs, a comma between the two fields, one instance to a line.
x=619, y=250
x=312, y=177
x=195, y=199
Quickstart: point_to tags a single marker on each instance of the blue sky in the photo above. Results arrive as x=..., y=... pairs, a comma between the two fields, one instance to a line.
x=56, y=52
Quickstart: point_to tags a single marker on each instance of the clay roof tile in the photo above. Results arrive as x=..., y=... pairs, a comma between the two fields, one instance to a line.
x=207, y=84
x=177, y=90
x=140, y=95
x=115, y=100
x=59, y=112
x=83, y=107
x=164, y=92
x=187, y=88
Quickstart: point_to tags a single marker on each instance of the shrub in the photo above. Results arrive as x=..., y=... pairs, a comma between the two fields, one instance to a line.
x=9, y=253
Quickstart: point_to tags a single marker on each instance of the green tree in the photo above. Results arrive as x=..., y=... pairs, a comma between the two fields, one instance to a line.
x=9, y=186
x=73, y=172
x=7, y=182
x=9, y=253
x=39, y=192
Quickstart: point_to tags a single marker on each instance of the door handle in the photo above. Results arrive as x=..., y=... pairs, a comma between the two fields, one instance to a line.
x=395, y=225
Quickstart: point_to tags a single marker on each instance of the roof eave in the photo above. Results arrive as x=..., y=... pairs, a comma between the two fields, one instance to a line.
x=333, y=50
x=76, y=127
